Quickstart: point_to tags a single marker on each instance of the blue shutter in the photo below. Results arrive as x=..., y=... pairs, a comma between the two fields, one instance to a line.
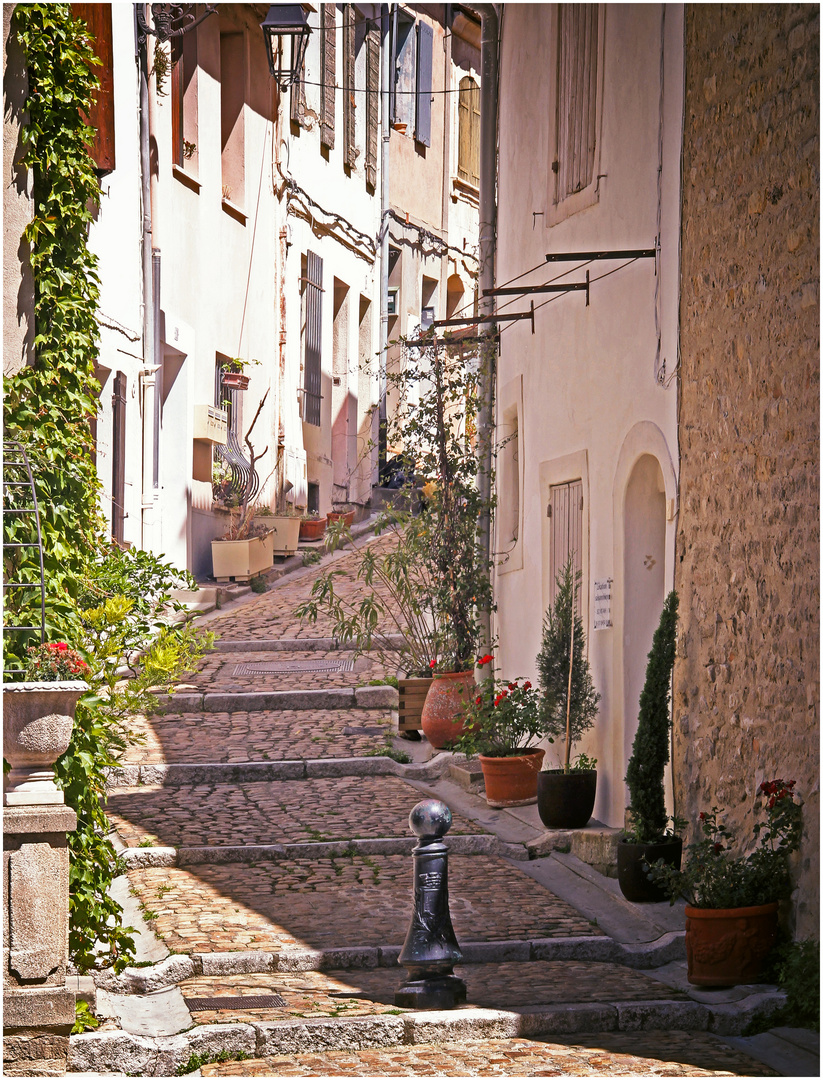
x=423, y=113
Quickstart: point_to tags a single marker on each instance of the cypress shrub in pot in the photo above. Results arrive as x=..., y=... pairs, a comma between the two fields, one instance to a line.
x=649, y=838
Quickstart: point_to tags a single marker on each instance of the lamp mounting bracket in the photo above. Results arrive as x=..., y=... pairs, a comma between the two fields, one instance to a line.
x=170, y=20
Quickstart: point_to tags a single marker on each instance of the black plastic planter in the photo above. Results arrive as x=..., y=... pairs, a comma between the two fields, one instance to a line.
x=566, y=800
x=632, y=862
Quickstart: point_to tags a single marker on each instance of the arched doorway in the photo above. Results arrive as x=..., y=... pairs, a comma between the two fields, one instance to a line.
x=644, y=565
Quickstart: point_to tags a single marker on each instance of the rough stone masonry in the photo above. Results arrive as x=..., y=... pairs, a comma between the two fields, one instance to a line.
x=746, y=681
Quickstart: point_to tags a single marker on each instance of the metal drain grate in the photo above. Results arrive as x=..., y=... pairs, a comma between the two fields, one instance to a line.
x=224, y=1004
x=291, y=667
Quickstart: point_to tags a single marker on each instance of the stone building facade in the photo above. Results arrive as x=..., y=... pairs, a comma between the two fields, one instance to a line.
x=746, y=681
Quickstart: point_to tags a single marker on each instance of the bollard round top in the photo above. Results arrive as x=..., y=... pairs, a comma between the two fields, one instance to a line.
x=430, y=818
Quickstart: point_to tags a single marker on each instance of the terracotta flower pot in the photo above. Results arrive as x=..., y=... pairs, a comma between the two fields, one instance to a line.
x=442, y=716
x=566, y=800
x=347, y=517
x=235, y=380
x=727, y=946
x=312, y=528
x=631, y=868
x=512, y=781
x=38, y=718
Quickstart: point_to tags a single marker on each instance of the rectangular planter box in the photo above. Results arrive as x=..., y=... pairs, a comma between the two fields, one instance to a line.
x=412, y=694
x=241, y=559
x=285, y=534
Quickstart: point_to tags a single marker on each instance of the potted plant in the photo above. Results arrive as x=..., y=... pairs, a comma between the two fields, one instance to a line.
x=390, y=614
x=344, y=514
x=233, y=375
x=649, y=839
x=38, y=717
x=732, y=899
x=568, y=708
x=312, y=526
x=246, y=548
x=502, y=723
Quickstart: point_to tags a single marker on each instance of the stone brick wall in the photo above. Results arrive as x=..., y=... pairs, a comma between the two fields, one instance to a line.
x=746, y=681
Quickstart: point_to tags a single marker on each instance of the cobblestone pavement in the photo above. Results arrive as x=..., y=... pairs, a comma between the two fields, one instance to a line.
x=647, y=1053
x=371, y=992
x=271, y=615
x=195, y=738
x=352, y=901
x=268, y=812
x=225, y=672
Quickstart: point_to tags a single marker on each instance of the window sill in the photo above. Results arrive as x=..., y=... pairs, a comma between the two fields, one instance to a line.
x=463, y=189
x=234, y=211
x=189, y=181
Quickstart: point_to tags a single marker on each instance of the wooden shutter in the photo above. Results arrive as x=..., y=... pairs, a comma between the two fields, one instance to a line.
x=566, y=514
x=328, y=54
x=177, y=101
x=576, y=97
x=101, y=115
x=468, y=126
x=372, y=98
x=297, y=93
x=118, y=467
x=312, y=359
x=349, y=146
x=423, y=96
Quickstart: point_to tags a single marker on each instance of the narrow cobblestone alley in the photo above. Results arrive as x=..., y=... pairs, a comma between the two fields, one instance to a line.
x=267, y=839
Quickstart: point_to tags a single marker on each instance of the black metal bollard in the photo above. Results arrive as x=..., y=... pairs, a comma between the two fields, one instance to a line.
x=430, y=950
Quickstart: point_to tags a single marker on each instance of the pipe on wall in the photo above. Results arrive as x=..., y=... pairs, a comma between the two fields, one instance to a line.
x=385, y=137
x=147, y=501
x=489, y=44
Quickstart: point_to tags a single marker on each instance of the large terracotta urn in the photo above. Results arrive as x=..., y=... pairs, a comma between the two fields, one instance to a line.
x=512, y=781
x=442, y=716
x=727, y=946
x=37, y=722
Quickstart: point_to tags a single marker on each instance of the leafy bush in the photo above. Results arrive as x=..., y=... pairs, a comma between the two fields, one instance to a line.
x=650, y=750
x=564, y=714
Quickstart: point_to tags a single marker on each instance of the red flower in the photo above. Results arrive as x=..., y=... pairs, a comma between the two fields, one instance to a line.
x=433, y=664
x=487, y=659
x=61, y=646
x=771, y=802
x=512, y=686
x=702, y=816
x=527, y=685
x=478, y=700
x=718, y=848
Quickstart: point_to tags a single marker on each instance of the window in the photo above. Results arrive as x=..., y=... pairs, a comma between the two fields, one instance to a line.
x=423, y=87
x=312, y=294
x=328, y=57
x=412, y=47
x=232, y=119
x=184, y=100
x=565, y=512
x=349, y=83
x=468, y=122
x=101, y=115
x=575, y=119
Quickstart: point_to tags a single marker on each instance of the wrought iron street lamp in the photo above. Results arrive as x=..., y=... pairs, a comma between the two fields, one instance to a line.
x=285, y=21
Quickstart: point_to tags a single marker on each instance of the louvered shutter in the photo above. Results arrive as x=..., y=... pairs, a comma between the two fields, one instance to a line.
x=101, y=114
x=327, y=77
x=349, y=148
x=297, y=95
x=468, y=126
x=118, y=438
x=312, y=361
x=577, y=97
x=372, y=97
x=566, y=513
x=423, y=96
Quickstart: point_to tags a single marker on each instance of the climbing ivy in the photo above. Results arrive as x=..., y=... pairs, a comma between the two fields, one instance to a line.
x=48, y=406
x=112, y=606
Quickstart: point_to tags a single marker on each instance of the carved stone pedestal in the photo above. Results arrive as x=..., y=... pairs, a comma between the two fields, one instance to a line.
x=38, y=1010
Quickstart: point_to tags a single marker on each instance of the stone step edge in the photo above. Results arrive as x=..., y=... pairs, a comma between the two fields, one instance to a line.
x=136, y=1055
x=178, y=967
x=238, y=772
x=307, y=644
x=462, y=844
x=361, y=697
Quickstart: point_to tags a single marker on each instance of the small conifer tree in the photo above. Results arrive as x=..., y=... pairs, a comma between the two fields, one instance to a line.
x=565, y=714
x=650, y=751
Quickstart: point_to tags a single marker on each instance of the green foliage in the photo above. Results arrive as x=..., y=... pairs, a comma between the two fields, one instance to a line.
x=196, y=1060
x=84, y=1019
x=584, y=763
x=799, y=975
x=310, y=558
x=258, y=584
x=558, y=707
x=47, y=407
x=715, y=876
x=390, y=751
x=503, y=719
x=650, y=751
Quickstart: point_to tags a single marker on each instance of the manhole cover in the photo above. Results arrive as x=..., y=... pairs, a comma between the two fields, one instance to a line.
x=223, y=1004
x=291, y=667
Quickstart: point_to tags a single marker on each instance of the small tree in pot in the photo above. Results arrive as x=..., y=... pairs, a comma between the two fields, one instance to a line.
x=648, y=840
x=568, y=707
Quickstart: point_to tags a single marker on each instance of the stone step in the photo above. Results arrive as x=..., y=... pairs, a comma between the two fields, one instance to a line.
x=361, y=697
x=302, y=644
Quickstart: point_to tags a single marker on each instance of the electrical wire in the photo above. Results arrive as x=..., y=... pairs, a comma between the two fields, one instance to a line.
x=253, y=236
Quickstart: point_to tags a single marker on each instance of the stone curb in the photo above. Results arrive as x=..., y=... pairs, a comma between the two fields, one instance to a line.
x=363, y=697
x=176, y=968
x=472, y=844
x=109, y=1051
x=307, y=644
x=249, y=772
